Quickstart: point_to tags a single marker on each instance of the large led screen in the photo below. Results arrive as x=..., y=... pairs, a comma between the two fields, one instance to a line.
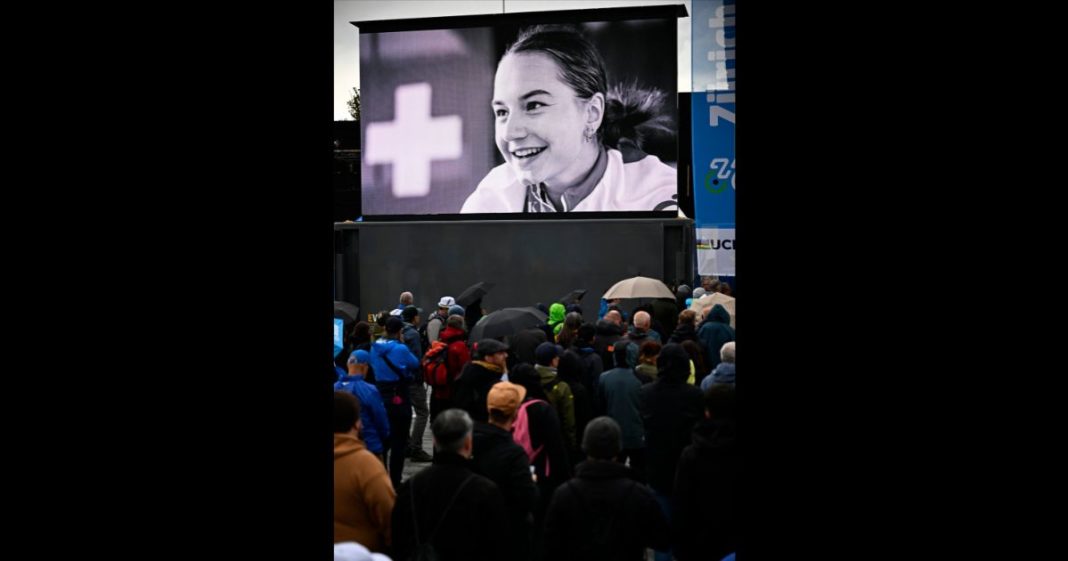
x=519, y=116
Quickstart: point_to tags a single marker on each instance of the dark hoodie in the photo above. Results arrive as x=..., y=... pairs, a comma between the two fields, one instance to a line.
x=604, y=338
x=497, y=457
x=478, y=505
x=592, y=365
x=684, y=332
x=715, y=331
x=522, y=345
x=472, y=313
x=670, y=407
x=473, y=386
x=544, y=431
x=634, y=341
x=603, y=514
x=666, y=314
x=681, y=294
x=703, y=507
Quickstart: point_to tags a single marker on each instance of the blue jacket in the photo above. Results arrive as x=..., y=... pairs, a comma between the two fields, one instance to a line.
x=634, y=339
x=372, y=411
x=399, y=355
x=619, y=393
x=411, y=340
x=723, y=374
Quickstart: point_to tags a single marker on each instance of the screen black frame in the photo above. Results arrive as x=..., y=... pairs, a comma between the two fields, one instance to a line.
x=529, y=18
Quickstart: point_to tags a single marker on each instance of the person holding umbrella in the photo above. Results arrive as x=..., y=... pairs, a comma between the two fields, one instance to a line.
x=471, y=300
x=523, y=345
x=506, y=322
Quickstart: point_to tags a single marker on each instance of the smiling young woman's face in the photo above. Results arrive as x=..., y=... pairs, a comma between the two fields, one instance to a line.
x=540, y=121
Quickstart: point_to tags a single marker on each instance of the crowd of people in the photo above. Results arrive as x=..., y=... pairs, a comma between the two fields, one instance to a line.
x=567, y=440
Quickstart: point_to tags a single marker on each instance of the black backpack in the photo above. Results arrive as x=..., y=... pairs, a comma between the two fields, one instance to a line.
x=424, y=339
x=605, y=536
x=424, y=549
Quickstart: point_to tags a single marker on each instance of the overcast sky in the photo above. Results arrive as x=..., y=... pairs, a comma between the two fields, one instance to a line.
x=347, y=43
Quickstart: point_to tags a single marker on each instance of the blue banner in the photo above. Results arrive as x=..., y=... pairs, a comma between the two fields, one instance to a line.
x=713, y=121
x=339, y=337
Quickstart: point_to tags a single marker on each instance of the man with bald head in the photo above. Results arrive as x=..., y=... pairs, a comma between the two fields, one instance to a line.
x=406, y=299
x=643, y=323
x=638, y=333
x=609, y=330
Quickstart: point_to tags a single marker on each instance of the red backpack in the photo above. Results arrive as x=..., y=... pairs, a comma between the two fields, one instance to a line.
x=436, y=370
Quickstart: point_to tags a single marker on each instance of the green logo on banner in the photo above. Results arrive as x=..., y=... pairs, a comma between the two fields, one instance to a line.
x=713, y=184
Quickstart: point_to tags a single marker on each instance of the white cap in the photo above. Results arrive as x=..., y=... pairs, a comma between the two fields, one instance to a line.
x=446, y=302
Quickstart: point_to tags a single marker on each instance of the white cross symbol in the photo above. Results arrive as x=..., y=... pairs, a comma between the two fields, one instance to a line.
x=412, y=140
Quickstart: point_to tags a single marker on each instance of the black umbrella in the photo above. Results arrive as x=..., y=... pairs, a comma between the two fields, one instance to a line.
x=346, y=311
x=573, y=297
x=473, y=292
x=507, y=321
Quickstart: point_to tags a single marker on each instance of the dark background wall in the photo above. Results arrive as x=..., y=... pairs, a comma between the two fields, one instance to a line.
x=529, y=261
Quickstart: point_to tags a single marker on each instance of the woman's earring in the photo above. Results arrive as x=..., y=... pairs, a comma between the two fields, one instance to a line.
x=588, y=134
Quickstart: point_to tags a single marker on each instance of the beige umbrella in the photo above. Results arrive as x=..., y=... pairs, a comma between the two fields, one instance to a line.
x=639, y=287
x=709, y=300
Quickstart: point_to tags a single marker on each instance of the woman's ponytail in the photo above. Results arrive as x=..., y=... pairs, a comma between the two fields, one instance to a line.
x=633, y=114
